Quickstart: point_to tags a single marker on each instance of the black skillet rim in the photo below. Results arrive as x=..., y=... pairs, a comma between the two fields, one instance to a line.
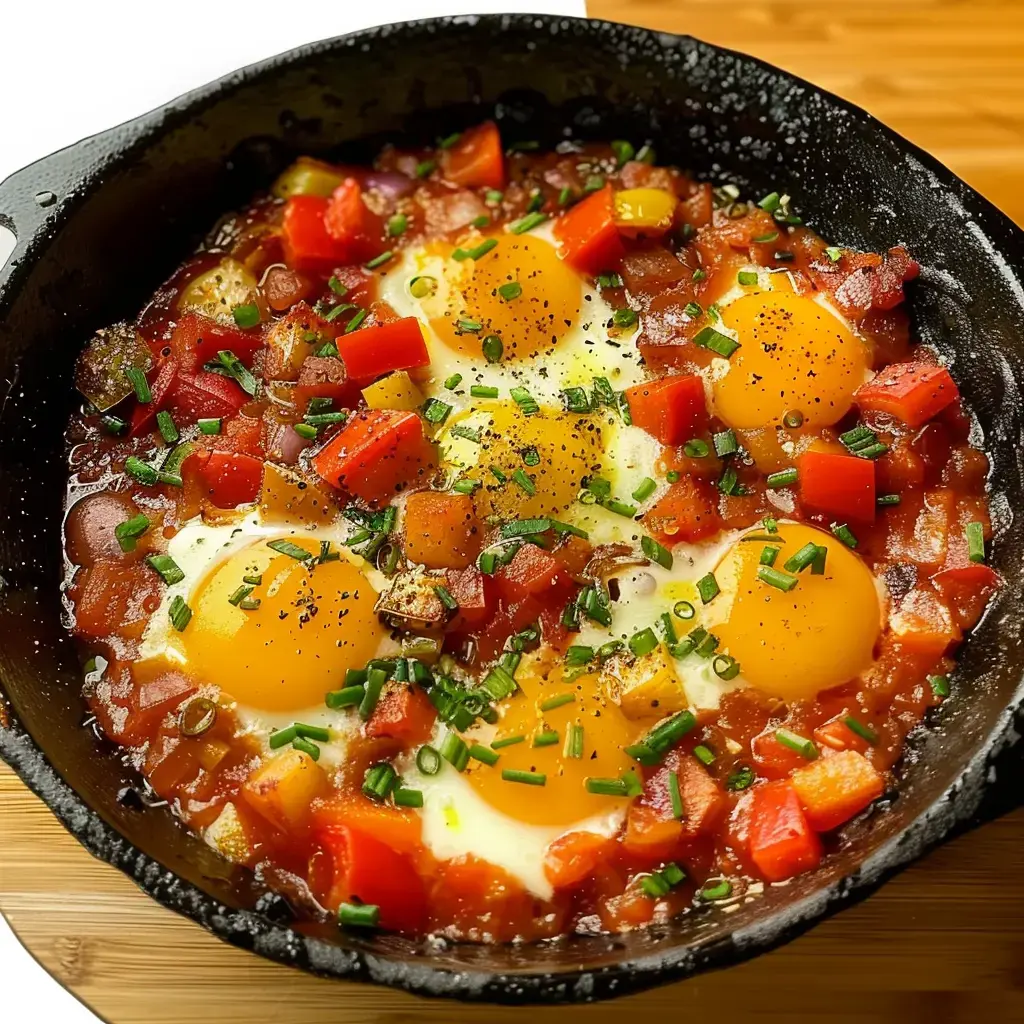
x=952, y=811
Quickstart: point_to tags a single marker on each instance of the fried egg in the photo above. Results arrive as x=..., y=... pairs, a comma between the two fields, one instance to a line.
x=797, y=354
x=274, y=660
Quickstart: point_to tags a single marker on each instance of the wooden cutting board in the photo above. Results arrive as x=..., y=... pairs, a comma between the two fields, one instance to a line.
x=942, y=942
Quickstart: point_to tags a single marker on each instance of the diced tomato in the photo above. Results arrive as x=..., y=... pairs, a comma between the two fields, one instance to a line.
x=672, y=409
x=837, y=735
x=838, y=485
x=403, y=713
x=368, y=871
x=650, y=833
x=114, y=597
x=703, y=799
x=782, y=843
x=912, y=392
x=833, y=789
x=590, y=241
x=688, y=512
x=372, y=351
x=923, y=625
x=226, y=479
x=474, y=593
x=144, y=413
x=205, y=396
x=571, y=858
x=350, y=222
x=773, y=759
x=510, y=618
x=861, y=282
x=533, y=572
x=197, y=340
x=476, y=160
x=377, y=453
x=966, y=590
x=151, y=701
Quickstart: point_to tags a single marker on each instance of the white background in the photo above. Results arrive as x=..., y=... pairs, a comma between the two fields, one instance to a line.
x=73, y=69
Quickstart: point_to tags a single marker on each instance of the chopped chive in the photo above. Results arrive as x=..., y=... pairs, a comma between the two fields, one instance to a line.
x=845, y=534
x=483, y=391
x=477, y=252
x=482, y=221
x=573, y=742
x=530, y=456
x=774, y=578
x=575, y=400
x=784, y=478
x=493, y=196
x=466, y=486
x=374, y=684
x=337, y=287
x=508, y=741
x=545, y=738
x=740, y=779
x=468, y=433
x=725, y=667
x=511, y=290
x=802, y=558
x=818, y=562
x=378, y=781
x=645, y=489
x=684, y=610
x=703, y=754
x=358, y=915
x=113, y=424
x=525, y=482
x=453, y=381
x=346, y=697
x=499, y=683
x=137, y=379
x=525, y=527
x=769, y=554
x=355, y=322
x=800, y=744
x=858, y=728
x=939, y=685
x=167, y=568
x=674, y=795
x=446, y=598
x=425, y=168
x=747, y=277
x=179, y=613
x=239, y=596
x=975, y=542
x=655, y=552
x=428, y=760
x=407, y=797
x=771, y=202
x=379, y=261
x=693, y=310
x=141, y=471
x=707, y=587
x=719, y=890
x=286, y=547
x=620, y=508
x=301, y=743
x=527, y=778
x=436, y=411
x=422, y=286
x=492, y=348
x=610, y=280
x=558, y=701
x=232, y=366
x=725, y=443
x=565, y=195
x=210, y=426
x=719, y=343
x=643, y=642
x=280, y=737
x=469, y=326
x=887, y=499
x=696, y=449
x=623, y=150
x=126, y=533
x=526, y=402
x=454, y=750
x=478, y=752
x=764, y=239
x=168, y=430
x=305, y=430
x=527, y=223
x=607, y=787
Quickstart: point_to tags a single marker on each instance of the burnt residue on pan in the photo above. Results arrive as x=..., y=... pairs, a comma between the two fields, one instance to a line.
x=121, y=209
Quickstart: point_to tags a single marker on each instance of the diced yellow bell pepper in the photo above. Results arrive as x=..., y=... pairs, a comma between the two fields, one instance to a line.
x=646, y=687
x=395, y=391
x=283, y=787
x=216, y=292
x=288, y=497
x=307, y=177
x=646, y=211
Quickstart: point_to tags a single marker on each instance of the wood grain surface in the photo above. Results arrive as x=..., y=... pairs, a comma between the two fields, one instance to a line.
x=943, y=942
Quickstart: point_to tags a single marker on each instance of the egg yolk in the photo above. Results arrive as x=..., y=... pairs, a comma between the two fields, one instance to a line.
x=313, y=622
x=794, y=356
x=794, y=644
x=520, y=290
x=564, y=798
x=568, y=447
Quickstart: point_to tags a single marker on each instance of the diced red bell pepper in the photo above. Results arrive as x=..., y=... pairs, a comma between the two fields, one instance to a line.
x=144, y=413
x=321, y=234
x=912, y=392
x=782, y=843
x=351, y=222
x=532, y=573
x=403, y=713
x=688, y=512
x=226, y=479
x=476, y=598
x=703, y=799
x=838, y=485
x=476, y=160
x=864, y=281
x=966, y=590
x=197, y=340
x=572, y=857
x=377, y=453
x=368, y=871
x=394, y=345
x=589, y=239
x=111, y=596
x=672, y=409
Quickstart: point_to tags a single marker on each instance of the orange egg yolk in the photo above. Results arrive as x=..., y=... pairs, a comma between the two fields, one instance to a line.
x=520, y=290
x=564, y=798
x=794, y=644
x=314, y=622
x=794, y=356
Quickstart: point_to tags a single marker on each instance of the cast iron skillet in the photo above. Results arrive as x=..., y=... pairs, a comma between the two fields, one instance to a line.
x=100, y=224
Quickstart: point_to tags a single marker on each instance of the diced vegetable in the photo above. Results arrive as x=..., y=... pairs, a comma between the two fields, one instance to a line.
x=645, y=687
x=650, y=834
x=688, y=512
x=395, y=391
x=288, y=497
x=966, y=590
x=403, y=713
x=671, y=409
x=293, y=339
x=842, y=486
x=441, y=530
x=474, y=593
x=644, y=211
x=351, y=222
x=320, y=234
x=110, y=597
x=412, y=602
x=833, y=789
x=782, y=843
x=573, y=857
x=476, y=159
x=219, y=290
x=589, y=238
x=371, y=351
x=226, y=479
x=284, y=786
x=923, y=624
x=197, y=340
x=376, y=454
x=307, y=177
x=912, y=392
x=100, y=371
x=531, y=572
